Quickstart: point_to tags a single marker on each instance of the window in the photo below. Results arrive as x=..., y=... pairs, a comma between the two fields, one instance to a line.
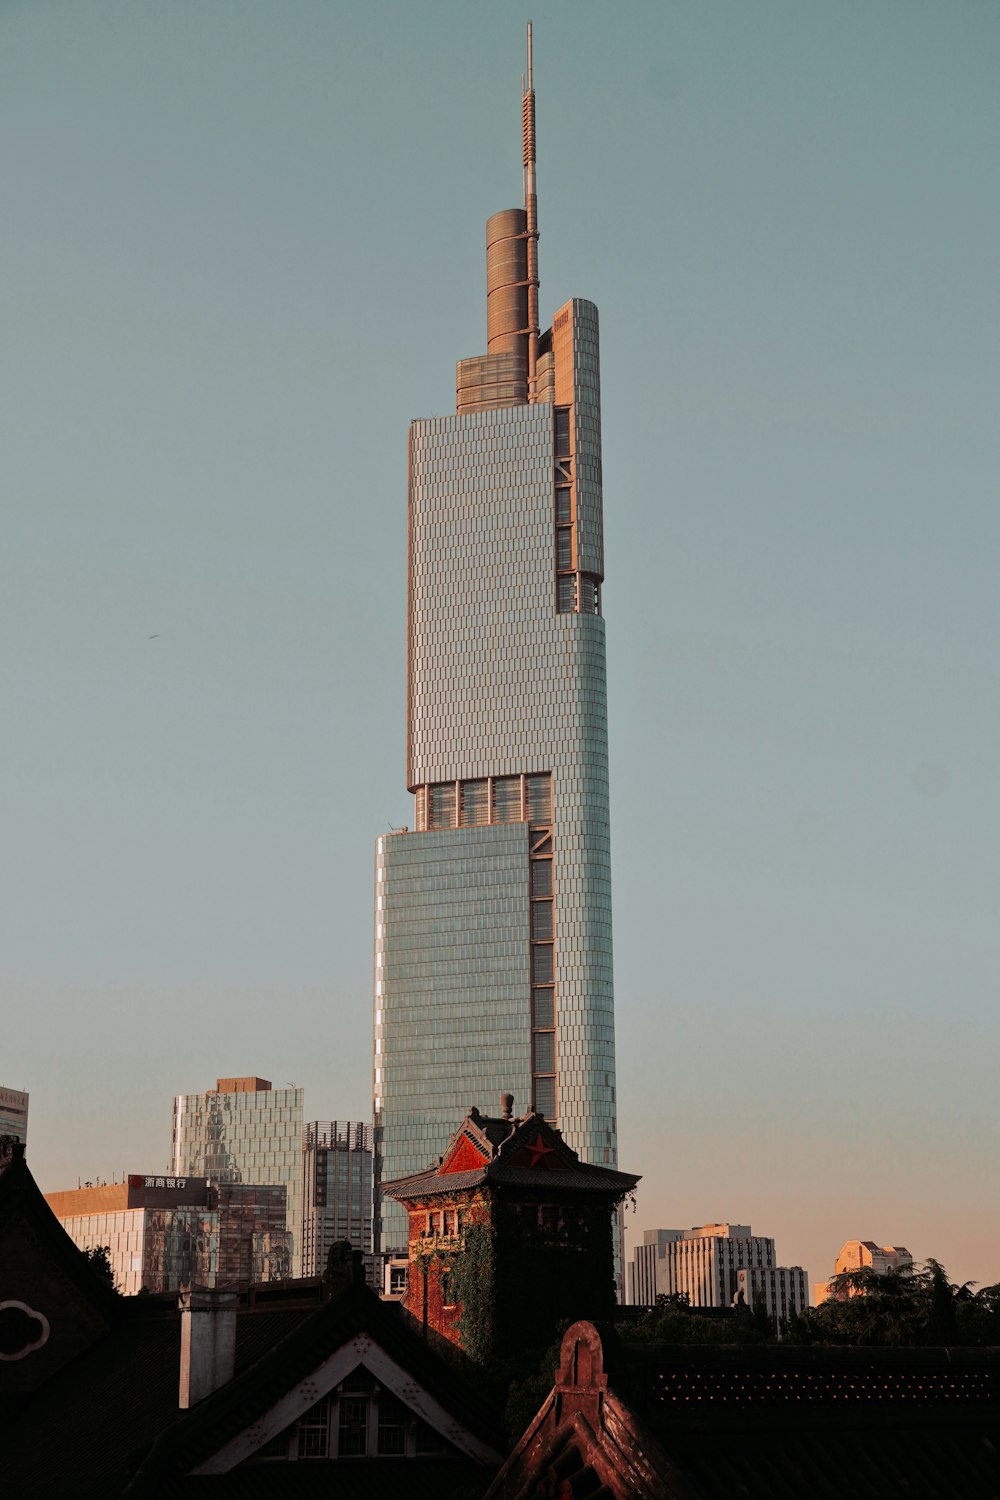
x=542, y=957
x=473, y=803
x=566, y=595
x=545, y=1097
x=353, y=1427
x=507, y=799
x=544, y=1007
x=538, y=798
x=541, y=877
x=541, y=920
x=441, y=805
x=562, y=431
x=391, y=1425
x=545, y=1052
x=564, y=549
x=314, y=1429
x=564, y=504
x=590, y=595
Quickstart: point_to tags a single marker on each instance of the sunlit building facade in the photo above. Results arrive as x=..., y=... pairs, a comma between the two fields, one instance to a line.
x=244, y=1131
x=713, y=1264
x=13, y=1113
x=493, y=960
x=864, y=1255
x=163, y=1232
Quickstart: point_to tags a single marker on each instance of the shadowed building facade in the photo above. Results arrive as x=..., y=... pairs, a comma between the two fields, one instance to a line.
x=493, y=964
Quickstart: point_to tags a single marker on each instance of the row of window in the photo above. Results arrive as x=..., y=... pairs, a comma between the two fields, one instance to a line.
x=445, y=1221
x=488, y=799
x=355, y=1424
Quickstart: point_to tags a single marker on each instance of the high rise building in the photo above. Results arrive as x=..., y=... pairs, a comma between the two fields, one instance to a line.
x=336, y=1190
x=493, y=915
x=13, y=1113
x=244, y=1131
x=705, y=1265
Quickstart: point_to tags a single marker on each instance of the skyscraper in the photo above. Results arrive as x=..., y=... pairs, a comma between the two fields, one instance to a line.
x=493, y=916
x=336, y=1190
x=244, y=1131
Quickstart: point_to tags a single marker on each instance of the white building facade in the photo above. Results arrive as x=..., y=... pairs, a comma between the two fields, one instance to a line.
x=782, y=1291
x=13, y=1113
x=711, y=1265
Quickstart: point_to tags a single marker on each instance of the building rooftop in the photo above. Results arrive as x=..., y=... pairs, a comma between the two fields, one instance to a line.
x=502, y=1150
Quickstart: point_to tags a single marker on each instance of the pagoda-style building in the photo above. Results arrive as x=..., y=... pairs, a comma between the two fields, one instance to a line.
x=509, y=1235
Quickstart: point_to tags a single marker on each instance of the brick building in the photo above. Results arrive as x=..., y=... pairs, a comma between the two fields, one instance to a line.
x=510, y=1233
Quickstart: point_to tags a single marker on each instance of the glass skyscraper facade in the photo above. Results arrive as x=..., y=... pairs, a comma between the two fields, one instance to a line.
x=493, y=968
x=244, y=1131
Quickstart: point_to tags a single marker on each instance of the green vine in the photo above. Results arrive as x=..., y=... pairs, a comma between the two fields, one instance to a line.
x=473, y=1285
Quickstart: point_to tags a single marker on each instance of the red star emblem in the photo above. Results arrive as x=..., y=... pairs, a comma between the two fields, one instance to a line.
x=537, y=1150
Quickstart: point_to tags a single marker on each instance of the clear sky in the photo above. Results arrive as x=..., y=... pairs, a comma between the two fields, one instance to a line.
x=242, y=248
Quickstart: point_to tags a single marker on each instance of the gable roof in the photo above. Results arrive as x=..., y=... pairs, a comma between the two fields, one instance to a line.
x=353, y=1327
x=502, y=1152
x=86, y=1432
x=53, y=1300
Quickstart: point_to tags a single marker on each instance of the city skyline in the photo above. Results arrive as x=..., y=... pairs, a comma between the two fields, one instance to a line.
x=242, y=258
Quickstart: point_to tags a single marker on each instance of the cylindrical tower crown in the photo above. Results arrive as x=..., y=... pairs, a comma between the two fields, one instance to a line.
x=507, y=283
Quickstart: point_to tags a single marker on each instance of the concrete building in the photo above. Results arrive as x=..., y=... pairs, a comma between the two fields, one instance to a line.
x=244, y=1131
x=13, y=1113
x=704, y=1264
x=164, y=1232
x=336, y=1190
x=493, y=962
x=865, y=1255
x=782, y=1291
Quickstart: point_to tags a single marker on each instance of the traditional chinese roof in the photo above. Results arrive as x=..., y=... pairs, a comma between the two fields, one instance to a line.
x=499, y=1152
x=670, y=1422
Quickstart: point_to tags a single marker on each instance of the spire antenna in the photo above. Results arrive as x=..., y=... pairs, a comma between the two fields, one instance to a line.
x=531, y=211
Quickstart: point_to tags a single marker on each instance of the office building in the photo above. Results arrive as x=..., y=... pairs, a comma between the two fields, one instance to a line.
x=493, y=967
x=336, y=1190
x=782, y=1291
x=244, y=1131
x=13, y=1113
x=165, y=1232
x=865, y=1255
x=703, y=1265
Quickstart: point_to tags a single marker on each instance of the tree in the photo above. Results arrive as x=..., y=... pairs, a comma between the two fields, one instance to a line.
x=99, y=1259
x=919, y=1306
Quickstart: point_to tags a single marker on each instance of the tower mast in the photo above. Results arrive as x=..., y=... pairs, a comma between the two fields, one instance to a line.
x=531, y=213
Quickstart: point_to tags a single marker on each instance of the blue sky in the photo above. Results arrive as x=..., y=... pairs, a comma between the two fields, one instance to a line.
x=243, y=247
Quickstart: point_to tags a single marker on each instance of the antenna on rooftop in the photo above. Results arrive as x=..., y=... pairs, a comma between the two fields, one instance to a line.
x=530, y=209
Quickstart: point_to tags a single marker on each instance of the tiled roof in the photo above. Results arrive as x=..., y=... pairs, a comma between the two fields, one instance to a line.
x=88, y=1429
x=603, y=1180
x=762, y=1423
x=779, y=1422
x=503, y=1145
